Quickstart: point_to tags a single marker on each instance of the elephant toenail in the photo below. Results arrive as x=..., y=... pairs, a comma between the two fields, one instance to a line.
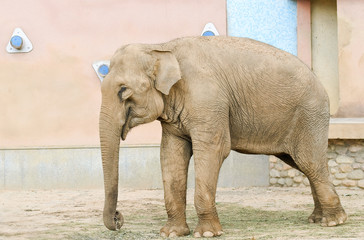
x=331, y=224
x=208, y=234
x=173, y=234
x=197, y=235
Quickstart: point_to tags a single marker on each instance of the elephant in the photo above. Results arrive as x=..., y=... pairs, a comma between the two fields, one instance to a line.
x=213, y=95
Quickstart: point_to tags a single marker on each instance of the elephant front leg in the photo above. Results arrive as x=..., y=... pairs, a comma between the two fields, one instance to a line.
x=208, y=160
x=205, y=191
x=175, y=157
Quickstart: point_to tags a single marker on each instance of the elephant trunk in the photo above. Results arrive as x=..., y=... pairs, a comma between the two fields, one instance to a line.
x=110, y=144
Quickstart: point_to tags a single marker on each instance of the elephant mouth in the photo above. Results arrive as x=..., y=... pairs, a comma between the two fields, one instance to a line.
x=125, y=128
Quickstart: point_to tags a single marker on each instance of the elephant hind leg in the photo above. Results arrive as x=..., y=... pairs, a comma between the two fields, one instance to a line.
x=310, y=158
x=328, y=210
x=316, y=216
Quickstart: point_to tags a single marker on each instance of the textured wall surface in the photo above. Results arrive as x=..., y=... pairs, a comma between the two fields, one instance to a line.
x=272, y=22
x=350, y=15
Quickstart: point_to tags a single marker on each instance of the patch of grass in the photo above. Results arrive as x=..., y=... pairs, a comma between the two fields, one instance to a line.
x=246, y=223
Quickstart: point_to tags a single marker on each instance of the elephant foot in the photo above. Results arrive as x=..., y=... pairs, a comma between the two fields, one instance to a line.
x=328, y=218
x=333, y=218
x=316, y=216
x=173, y=229
x=208, y=228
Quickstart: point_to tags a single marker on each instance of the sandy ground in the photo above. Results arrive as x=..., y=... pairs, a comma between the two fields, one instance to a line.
x=71, y=214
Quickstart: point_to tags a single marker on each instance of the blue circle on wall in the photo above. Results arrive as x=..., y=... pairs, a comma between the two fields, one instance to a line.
x=208, y=33
x=103, y=70
x=16, y=41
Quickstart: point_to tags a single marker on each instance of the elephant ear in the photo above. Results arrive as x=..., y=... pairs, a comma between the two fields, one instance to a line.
x=166, y=70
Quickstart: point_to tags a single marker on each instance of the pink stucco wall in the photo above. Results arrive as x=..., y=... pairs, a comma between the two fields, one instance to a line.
x=51, y=96
x=350, y=15
x=304, y=31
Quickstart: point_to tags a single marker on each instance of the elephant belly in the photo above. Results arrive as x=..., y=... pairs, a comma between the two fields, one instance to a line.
x=256, y=147
x=263, y=138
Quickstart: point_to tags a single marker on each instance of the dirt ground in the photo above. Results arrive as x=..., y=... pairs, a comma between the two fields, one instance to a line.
x=245, y=213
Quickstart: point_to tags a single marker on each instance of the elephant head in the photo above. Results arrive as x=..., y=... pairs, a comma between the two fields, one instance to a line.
x=132, y=94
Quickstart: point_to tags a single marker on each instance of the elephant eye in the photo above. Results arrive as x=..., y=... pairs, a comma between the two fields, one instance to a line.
x=120, y=93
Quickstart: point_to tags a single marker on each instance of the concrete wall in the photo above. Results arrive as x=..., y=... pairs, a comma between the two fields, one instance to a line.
x=51, y=96
x=139, y=167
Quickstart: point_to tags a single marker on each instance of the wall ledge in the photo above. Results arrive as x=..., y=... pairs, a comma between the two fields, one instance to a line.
x=346, y=128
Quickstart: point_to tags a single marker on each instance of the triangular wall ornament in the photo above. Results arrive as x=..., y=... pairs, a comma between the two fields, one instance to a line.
x=19, y=42
x=101, y=68
x=210, y=30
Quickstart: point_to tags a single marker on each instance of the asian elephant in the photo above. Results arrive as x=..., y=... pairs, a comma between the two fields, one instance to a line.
x=213, y=95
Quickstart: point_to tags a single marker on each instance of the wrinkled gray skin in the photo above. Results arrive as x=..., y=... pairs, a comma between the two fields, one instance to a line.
x=213, y=95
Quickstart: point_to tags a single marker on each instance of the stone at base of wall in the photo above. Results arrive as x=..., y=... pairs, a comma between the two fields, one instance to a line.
x=345, y=162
